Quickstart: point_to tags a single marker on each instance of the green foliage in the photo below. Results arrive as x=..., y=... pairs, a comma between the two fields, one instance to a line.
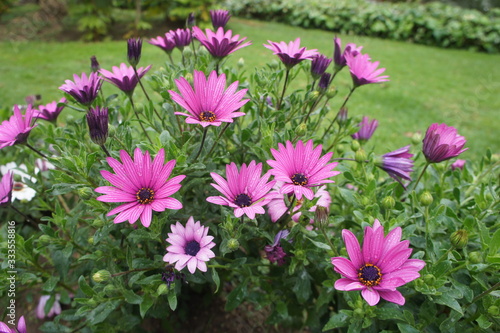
x=433, y=23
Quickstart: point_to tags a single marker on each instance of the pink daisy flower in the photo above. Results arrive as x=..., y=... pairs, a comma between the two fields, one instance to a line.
x=17, y=129
x=398, y=164
x=84, y=90
x=6, y=185
x=363, y=71
x=143, y=186
x=21, y=327
x=458, y=164
x=220, y=44
x=209, y=103
x=274, y=252
x=245, y=190
x=291, y=54
x=189, y=246
x=366, y=129
x=301, y=168
x=51, y=111
x=339, y=57
x=219, y=18
x=124, y=77
x=379, y=268
x=166, y=42
x=442, y=142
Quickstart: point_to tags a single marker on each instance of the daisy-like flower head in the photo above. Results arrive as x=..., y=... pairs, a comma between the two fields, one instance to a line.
x=442, y=142
x=17, y=129
x=124, y=77
x=182, y=37
x=189, y=246
x=209, y=103
x=274, y=252
x=363, y=71
x=458, y=164
x=398, y=164
x=219, y=18
x=219, y=44
x=166, y=43
x=301, y=168
x=366, y=129
x=142, y=184
x=290, y=54
x=84, y=90
x=379, y=268
x=6, y=185
x=21, y=327
x=339, y=57
x=244, y=190
x=51, y=111
x=54, y=310
x=319, y=65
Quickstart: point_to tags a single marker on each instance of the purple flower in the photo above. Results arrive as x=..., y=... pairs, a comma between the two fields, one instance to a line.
x=166, y=43
x=301, y=168
x=84, y=90
x=17, y=129
x=134, y=49
x=319, y=65
x=379, y=268
x=191, y=20
x=290, y=54
x=458, y=164
x=124, y=77
x=324, y=81
x=189, y=246
x=97, y=120
x=363, y=71
x=21, y=327
x=366, y=129
x=442, y=142
x=245, y=190
x=219, y=18
x=182, y=37
x=220, y=43
x=6, y=185
x=143, y=186
x=398, y=164
x=209, y=103
x=54, y=310
x=339, y=57
x=275, y=252
x=94, y=64
x=51, y=111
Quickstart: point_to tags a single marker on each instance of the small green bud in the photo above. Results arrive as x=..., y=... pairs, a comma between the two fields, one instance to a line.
x=365, y=201
x=459, y=238
x=331, y=92
x=416, y=138
x=187, y=52
x=91, y=240
x=321, y=216
x=189, y=77
x=230, y=147
x=85, y=193
x=475, y=257
x=494, y=310
x=360, y=156
x=429, y=279
x=110, y=290
x=45, y=239
x=273, y=64
x=162, y=289
x=314, y=94
x=101, y=276
x=98, y=223
x=358, y=312
x=426, y=198
x=340, y=149
x=300, y=255
x=240, y=63
x=301, y=130
x=439, y=167
x=233, y=244
x=99, y=253
x=388, y=202
x=355, y=145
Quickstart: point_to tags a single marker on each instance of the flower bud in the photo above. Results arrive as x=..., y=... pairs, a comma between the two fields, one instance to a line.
x=475, y=257
x=110, y=290
x=365, y=201
x=187, y=52
x=273, y=64
x=134, y=48
x=189, y=77
x=342, y=116
x=360, y=156
x=94, y=64
x=321, y=216
x=97, y=120
x=191, y=20
x=45, y=239
x=388, y=202
x=340, y=148
x=85, y=193
x=459, y=238
x=231, y=148
x=90, y=240
x=101, y=276
x=429, y=279
x=240, y=63
x=331, y=92
x=314, y=94
x=426, y=198
x=416, y=138
x=98, y=223
x=301, y=130
x=233, y=244
x=355, y=145
x=494, y=311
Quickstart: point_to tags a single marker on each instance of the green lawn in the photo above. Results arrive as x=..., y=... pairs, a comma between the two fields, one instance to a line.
x=427, y=84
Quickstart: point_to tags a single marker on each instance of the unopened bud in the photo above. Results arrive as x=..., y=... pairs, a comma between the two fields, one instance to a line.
x=321, y=216
x=233, y=244
x=365, y=201
x=426, y=199
x=314, y=94
x=475, y=257
x=340, y=149
x=429, y=279
x=94, y=64
x=273, y=64
x=45, y=239
x=494, y=311
x=98, y=223
x=189, y=76
x=90, y=240
x=355, y=145
x=331, y=92
x=110, y=290
x=459, y=238
x=240, y=63
x=187, y=52
x=388, y=202
x=85, y=193
x=416, y=138
x=101, y=276
x=301, y=130
x=360, y=156
x=342, y=116
x=230, y=147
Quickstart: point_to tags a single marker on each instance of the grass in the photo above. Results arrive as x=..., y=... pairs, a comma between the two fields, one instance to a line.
x=427, y=84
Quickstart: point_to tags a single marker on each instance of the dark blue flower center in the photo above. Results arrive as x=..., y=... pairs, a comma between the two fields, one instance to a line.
x=192, y=248
x=369, y=275
x=242, y=200
x=145, y=195
x=299, y=179
x=207, y=116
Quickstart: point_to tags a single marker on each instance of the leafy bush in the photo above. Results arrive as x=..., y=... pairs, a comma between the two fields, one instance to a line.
x=430, y=24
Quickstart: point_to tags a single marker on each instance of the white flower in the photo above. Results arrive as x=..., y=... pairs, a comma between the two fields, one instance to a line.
x=20, y=190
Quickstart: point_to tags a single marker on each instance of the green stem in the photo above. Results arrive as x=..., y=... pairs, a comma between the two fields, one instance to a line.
x=145, y=93
x=138, y=119
x=486, y=292
x=105, y=151
x=323, y=231
x=133, y=271
x=421, y=174
x=334, y=119
x=287, y=73
x=217, y=140
x=479, y=178
x=205, y=130
x=36, y=150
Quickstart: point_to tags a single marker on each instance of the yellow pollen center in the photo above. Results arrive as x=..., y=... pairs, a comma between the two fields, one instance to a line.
x=208, y=116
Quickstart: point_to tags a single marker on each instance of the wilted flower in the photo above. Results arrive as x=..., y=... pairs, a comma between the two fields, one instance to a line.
x=97, y=120
x=275, y=252
x=21, y=327
x=54, y=310
x=190, y=246
x=319, y=65
x=458, y=164
x=398, y=164
x=209, y=103
x=142, y=184
x=366, y=129
x=182, y=37
x=339, y=57
x=301, y=168
x=363, y=71
x=166, y=43
x=84, y=90
x=379, y=268
x=17, y=129
x=6, y=185
x=220, y=43
x=244, y=190
x=442, y=142
x=124, y=77
x=219, y=18
x=290, y=54
x=51, y=111
x=134, y=49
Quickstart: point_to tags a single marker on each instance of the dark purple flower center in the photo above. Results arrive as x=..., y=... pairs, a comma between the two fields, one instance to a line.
x=145, y=195
x=192, y=248
x=242, y=200
x=369, y=275
x=299, y=179
x=207, y=116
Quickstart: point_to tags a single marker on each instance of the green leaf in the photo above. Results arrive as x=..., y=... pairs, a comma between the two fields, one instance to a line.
x=146, y=304
x=216, y=279
x=172, y=300
x=102, y=311
x=236, y=296
x=84, y=287
x=484, y=322
x=390, y=314
x=405, y=328
x=51, y=283
x=495, y=243
x=446, y=299
x=131, y=297
x=336, y=321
